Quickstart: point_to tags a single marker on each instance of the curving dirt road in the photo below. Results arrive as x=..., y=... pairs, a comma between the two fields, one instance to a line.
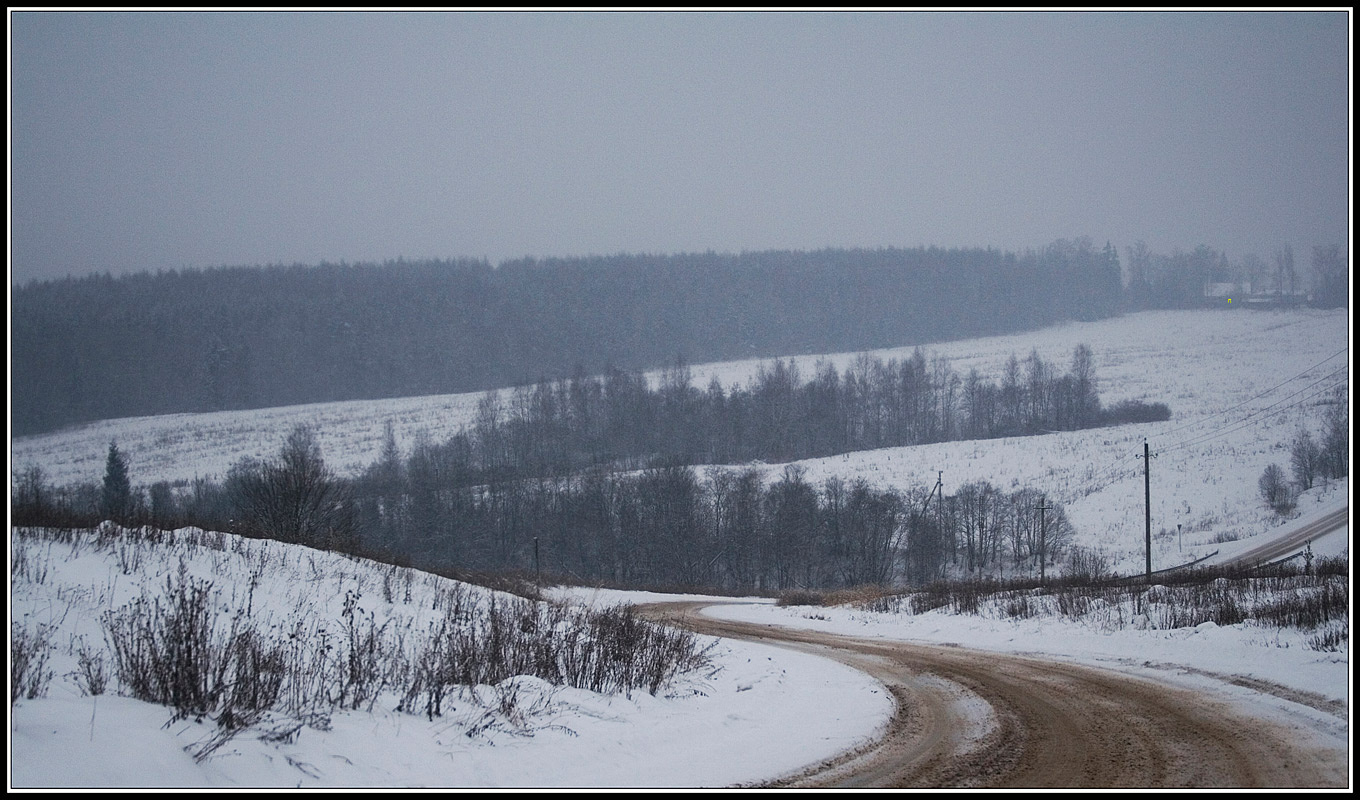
x=968, y=718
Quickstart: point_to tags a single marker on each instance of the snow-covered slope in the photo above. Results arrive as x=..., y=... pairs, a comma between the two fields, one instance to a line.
x=1239, y=383
x=755, y=713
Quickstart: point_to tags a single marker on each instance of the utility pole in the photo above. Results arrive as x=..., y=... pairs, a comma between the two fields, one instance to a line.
x=939, y=517
x=939, y=509
x=1043, y=534
x=1147, y=511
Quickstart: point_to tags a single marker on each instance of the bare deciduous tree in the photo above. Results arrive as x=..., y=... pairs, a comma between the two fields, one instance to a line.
x=1304, y=459
x=1275, y=489
x=293, y=499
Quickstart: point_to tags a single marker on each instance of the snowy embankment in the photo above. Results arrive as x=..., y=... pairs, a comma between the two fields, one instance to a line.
x=754, y=713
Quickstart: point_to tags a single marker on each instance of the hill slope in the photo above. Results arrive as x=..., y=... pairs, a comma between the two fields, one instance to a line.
x=1239, y=383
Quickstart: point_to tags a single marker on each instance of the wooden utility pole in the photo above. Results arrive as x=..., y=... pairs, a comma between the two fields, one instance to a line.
x=939, y=516
x=1147, y=511
x=1043, y=534
x=939, y=509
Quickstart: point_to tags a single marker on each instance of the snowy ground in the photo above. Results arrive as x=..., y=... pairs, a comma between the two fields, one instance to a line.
x=759, y=712
x=1240, y=384
x=756, y=713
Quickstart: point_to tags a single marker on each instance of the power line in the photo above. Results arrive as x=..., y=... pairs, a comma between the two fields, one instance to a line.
x=1113, y=471
x=1259, y=396
x=1267, y=412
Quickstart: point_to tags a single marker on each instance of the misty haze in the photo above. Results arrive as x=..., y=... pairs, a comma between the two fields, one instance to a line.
x=679, y=399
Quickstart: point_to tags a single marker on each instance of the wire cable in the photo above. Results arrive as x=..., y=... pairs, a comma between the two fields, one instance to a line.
x=1265, y=413
x=1257, y=397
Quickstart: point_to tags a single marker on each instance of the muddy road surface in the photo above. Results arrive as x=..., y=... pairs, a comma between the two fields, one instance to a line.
x=970, y=718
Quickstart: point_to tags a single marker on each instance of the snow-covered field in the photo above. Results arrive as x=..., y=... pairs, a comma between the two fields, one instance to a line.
x=1239, y=383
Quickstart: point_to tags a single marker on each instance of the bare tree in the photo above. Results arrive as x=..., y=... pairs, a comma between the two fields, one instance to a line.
x=1084, y=384
x=1284, y=270
x=1331, y=287
x=1336, y=437
x=295, y=498
x=1275, y=489
x=30, y=497
x=1304, y=459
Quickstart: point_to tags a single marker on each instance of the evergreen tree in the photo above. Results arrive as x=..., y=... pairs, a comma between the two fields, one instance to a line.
x=115, y=501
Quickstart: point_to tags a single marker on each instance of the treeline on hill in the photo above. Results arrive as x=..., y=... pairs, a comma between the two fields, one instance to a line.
x=726, y=528
x=621, y=421
x=1179, y=279
x=251, y=337
x=594, y=479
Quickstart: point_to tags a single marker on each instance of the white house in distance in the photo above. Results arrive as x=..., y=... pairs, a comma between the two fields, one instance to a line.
x=1242, y=295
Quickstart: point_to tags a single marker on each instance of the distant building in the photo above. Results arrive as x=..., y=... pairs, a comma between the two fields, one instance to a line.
x=1241, y=295
x=1222, y=295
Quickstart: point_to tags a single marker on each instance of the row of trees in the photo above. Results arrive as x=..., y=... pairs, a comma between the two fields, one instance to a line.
x=724, y=528
x=595, y=476
x=294, y=497
x=620, y=420
x=727, y=528
x=1325, y=457
x=251, y=337
x=1177, y=280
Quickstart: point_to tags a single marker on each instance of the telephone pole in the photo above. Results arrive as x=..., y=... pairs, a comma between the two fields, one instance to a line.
x=922, y=556
x=939, y=507
x=1043, y=534
x=1147, y=511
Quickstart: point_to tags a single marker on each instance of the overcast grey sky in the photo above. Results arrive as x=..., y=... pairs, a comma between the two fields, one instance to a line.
x=145, y=141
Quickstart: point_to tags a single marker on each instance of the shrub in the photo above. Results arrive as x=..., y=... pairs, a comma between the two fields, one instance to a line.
x=166, y=651
x=609, y=650
x=90, y=675
x=1329, y=640
x=1085, y=565
x=1275, y=489
x=801, y=597
x=1132, y=411
x=258, y=671
x=28, y=651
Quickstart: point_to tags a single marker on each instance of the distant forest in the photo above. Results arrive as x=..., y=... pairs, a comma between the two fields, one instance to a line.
x=227, y=338
x=102, y=347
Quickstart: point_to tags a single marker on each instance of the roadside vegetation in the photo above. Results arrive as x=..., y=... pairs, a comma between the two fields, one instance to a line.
x=244, y=633
x=1311, y=595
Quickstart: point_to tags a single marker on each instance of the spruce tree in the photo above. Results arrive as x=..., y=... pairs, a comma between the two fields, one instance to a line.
x=116, y=498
